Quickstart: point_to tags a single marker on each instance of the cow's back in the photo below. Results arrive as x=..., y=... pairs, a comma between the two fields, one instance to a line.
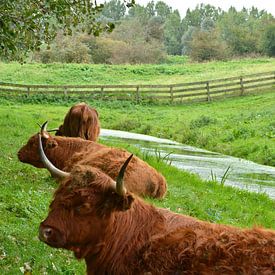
x=140, y=178
x=81, y=121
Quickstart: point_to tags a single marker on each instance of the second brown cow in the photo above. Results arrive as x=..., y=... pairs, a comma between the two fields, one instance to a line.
x=66, y=152
x=81, y=121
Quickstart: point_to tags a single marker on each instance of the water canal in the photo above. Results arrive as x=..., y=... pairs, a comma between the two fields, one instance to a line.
x=208, y=165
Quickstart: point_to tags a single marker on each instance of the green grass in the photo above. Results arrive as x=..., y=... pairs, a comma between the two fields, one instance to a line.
x=176, y=70
x=25, y=192
x=242, y=127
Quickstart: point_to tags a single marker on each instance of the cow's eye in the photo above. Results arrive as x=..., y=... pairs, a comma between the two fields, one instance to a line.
x=78, y=209
x=82, y=208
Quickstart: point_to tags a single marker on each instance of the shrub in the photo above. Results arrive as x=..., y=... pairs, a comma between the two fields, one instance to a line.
x=65, y=49
x=206, y=46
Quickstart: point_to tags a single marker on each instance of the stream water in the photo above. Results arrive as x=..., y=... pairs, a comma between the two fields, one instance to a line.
x=208, y=165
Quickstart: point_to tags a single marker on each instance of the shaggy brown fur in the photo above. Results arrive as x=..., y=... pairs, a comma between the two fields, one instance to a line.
x=81, y=121
x=59, y=150
x=65, y=152
x=124, y=235
x=139, y=177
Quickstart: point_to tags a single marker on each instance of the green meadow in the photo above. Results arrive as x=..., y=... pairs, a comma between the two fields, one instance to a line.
x=244, y=127
x=175, y=70
x=25, y=193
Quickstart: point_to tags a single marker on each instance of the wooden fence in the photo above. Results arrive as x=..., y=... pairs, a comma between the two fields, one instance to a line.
x=193, y=91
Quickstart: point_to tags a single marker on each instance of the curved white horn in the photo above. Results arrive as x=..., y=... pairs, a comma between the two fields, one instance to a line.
x=54, y=170
x=43, y=130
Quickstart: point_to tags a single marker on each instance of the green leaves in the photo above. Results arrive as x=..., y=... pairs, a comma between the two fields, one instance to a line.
x=26, y=24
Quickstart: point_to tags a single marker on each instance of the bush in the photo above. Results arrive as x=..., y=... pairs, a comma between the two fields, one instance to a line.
x=65, y=49
x=206, y=46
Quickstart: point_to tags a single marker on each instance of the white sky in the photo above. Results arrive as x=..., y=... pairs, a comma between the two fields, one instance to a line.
x=183, y=5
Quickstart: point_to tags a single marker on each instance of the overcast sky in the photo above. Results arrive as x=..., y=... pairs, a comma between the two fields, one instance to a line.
x=183, y=5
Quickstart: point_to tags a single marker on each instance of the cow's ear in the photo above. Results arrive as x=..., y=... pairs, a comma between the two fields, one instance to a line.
x=125, y=202
x=51, y=144
x=119, y=203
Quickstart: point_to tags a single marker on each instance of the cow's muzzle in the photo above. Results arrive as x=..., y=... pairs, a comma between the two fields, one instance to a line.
x=51, y=236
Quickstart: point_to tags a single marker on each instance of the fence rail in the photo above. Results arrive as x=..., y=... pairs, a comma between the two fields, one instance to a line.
x=198, y=91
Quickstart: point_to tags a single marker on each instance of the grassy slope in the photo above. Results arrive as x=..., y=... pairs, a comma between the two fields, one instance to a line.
x=178, y=70
x=25, y=193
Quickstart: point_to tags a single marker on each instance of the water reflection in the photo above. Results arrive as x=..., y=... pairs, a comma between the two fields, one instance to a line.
x=208, y=165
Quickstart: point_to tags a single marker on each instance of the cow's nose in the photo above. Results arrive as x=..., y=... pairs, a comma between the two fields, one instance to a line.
x=45, y=233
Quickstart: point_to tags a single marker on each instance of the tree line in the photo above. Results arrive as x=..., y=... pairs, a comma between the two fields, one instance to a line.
x=147, y=34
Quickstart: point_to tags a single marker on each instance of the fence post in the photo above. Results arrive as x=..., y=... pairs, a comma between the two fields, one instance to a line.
x=137, y=95
x=208, y=91
x=28, y=91
x=242, y=87
x=101, y=92
x=171, y=94
x=65, y=91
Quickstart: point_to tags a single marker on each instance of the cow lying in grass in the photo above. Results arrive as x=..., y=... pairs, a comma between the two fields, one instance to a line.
x=118, y=233
x=81, y=121
x=65, y=152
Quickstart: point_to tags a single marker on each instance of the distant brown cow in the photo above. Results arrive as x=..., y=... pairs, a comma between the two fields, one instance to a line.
x=118, y=233
x=81, y=121
x=65, y=152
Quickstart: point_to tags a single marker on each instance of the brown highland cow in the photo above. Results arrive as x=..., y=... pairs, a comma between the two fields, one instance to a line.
x=81, y=121
x=118, y=233
x=66, y=152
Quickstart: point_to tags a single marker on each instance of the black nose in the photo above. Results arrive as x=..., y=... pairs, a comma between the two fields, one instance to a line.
x=51, y=236
x=45, y=233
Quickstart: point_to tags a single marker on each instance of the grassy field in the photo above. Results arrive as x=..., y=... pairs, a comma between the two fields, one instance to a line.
x=243, y=127
x=176, y=70
x=25, y=193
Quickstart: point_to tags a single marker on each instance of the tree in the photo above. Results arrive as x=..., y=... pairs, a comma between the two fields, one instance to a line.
x=26, y=24
x=131, y=43
x=202, y=11
x=172, y=33
x=154, y=29
x=241, y=30
x=162, y=10
x=268, y=40
x=187, y=39
x=115, y=10
x=207, y=24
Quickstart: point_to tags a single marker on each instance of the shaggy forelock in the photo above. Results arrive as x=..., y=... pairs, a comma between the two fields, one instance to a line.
x=86, y=176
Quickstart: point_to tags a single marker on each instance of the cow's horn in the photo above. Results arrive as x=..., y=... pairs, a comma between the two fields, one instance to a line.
x=43, y=130
x=119, y=182
x=53, y=130
x=54, y=170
